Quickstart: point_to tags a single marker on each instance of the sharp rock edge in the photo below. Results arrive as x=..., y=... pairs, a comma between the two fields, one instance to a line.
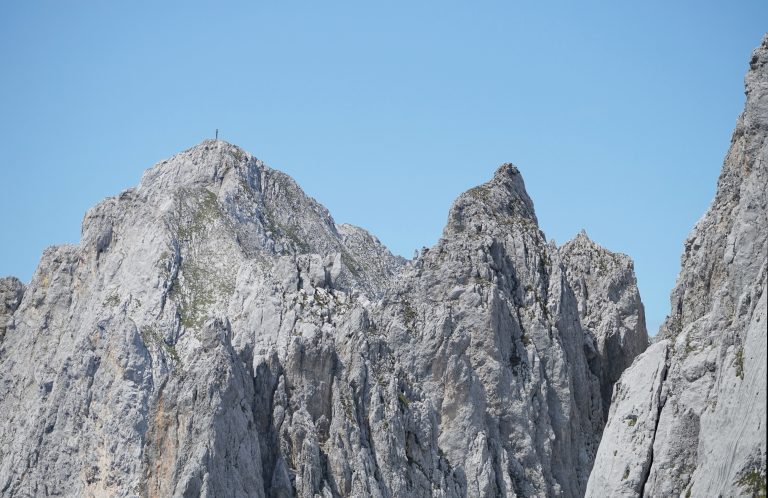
x=216, y=333
x=688, y=417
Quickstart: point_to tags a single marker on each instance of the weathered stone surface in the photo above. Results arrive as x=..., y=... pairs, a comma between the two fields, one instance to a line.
x=610, y=309
x=216, y=333
x=631, y=427
x=708, y=432
x=11, y=292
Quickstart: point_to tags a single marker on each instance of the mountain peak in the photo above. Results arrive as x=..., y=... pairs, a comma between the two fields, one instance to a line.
x=207, y=163
x=210, y=144
x=218, y=294
x=501, y=199
x=506, y=170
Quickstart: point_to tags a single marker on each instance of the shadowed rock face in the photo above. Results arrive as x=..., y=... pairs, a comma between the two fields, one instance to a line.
x=216, y=333
x=609, y=309
x=688, y=417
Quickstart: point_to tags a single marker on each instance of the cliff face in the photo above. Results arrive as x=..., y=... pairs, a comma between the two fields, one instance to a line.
x=689, y=415
x=216, y=333
x=11, y=292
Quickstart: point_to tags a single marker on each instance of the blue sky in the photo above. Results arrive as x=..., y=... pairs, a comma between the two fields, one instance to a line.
x=617, y=113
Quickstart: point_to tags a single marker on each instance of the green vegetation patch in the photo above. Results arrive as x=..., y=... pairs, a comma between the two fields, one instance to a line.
x=351, y=263
x=152, y=338
x=198, y=287
x=753, y=483
x=409, y=315
x=204, y=213
x=404, y=400
x=199, y=283
x=112, y=301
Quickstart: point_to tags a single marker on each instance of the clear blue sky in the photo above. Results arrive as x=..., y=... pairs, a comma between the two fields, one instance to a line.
x=617, y=113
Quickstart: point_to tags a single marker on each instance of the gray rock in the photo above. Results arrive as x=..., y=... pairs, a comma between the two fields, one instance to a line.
x=11, y=292
x=216, y=333
x=705, y=435
x=622, y=469
x=610, y=309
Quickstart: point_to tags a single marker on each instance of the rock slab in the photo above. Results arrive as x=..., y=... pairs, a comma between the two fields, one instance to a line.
x=216, y=333
x=705, y=435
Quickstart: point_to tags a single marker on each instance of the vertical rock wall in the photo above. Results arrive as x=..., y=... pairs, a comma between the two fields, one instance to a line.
x=703, y=433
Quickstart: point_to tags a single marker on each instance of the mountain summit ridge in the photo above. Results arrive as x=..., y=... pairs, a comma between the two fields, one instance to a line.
x=216, y=332
x=699, y=420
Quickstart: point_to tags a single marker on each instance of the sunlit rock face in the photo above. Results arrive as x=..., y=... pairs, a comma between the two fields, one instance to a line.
x=688, y=417
x=216, y=333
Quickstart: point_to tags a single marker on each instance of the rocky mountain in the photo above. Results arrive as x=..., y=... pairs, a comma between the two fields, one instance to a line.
x=11, y=291
x=216, y=333
x=689, y=416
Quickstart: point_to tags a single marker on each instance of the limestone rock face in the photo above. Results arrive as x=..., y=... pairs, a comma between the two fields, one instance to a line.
x=609, y=308
x=11, y=292
x=216, y=333
x=697, y=427
x=631, y=427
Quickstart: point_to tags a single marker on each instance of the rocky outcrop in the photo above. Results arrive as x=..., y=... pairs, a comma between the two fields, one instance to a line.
x=631, y=427
x=609, y=308
x=11, y=292
x=697, y=427
x=489, y=351
x=216, y=333
x=118, y=371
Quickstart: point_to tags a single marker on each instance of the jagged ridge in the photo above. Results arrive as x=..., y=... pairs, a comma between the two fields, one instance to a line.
x=217, y=333
x=704, y=433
